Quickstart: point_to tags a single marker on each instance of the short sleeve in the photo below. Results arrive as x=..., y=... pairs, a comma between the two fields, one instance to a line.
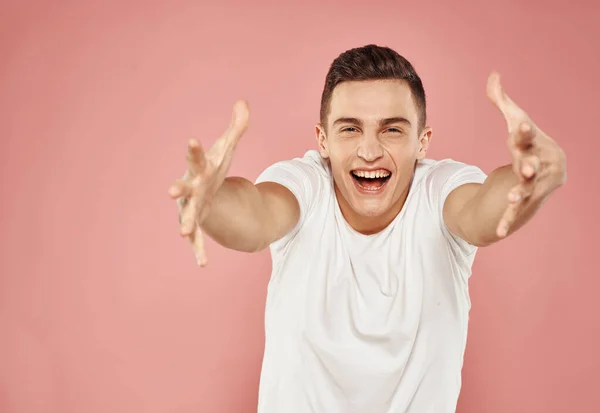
x=444, y=177
x=305, y=177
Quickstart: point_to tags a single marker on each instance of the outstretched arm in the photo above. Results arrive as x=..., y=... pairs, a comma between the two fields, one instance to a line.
x=484, y=213
x=233, y=211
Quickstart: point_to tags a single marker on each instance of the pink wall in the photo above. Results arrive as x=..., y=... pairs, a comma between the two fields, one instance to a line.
x=102, y=308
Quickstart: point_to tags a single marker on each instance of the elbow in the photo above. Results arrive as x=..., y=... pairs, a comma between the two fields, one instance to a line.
x=481, y=243
x=247, y=246
x=482, y=239
x=476, y=236
x=254, y=248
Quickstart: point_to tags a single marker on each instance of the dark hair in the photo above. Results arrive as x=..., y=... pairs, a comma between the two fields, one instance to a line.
x=373, y=62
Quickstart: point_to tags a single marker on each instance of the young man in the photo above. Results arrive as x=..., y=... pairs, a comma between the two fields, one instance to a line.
x=372, y=242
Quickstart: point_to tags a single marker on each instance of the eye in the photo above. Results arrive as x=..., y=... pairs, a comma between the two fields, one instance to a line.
x=393, y=130
x=349, y=129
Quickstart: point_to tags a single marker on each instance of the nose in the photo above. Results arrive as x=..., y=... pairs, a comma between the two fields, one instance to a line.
x=369, y=148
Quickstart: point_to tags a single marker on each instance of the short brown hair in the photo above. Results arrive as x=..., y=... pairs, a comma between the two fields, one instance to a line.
x=372, y=62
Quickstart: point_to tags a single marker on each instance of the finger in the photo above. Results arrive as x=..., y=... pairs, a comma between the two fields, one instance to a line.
x=508, y=218
x=517, y=197
x=179, y=189
x=529, y=166
x=195, y=157
x=525, y=135
x=188, y=219
x=521, y=144
x=521, y=192
x=238, y=125
x=197, y=240
x=509, y=109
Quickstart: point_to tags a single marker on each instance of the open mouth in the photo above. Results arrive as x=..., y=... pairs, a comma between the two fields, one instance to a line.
x=371, y=180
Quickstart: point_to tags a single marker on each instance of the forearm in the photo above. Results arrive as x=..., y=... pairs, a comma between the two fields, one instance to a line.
x=238, y=217
x=481, y=215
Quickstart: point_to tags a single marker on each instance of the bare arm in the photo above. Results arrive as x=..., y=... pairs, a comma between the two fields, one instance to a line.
x=484, y=213
x=233, y=211
x=474, y=211
x=247, y=217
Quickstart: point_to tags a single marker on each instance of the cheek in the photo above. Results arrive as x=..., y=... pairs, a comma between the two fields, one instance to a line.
x=341, y=155
x=338, y=169
x=342, y=147
x=404, y=152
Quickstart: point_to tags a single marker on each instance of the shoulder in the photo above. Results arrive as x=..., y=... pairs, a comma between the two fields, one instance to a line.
x=308, y=178
x=445, y=166
x=311, y=166
x=440, y=178
x=314, y=160
x=443, y=175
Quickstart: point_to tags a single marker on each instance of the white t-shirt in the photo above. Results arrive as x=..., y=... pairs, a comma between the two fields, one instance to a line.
x=366, y=324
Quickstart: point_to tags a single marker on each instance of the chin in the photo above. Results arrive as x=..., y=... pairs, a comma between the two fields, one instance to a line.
x=371, y=209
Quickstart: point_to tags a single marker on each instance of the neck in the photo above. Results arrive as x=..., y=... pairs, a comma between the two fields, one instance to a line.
x=368, y=225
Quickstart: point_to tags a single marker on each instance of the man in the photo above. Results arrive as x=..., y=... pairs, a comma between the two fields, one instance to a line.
x=372, y=242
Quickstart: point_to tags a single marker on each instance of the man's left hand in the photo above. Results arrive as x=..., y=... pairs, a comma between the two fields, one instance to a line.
x=538, y=161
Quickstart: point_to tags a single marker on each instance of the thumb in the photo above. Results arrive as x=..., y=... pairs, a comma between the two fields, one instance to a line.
x=512, y=113
x=238, y=125
x=239, y=118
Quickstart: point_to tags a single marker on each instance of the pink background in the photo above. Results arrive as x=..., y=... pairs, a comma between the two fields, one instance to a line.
x=102, y=308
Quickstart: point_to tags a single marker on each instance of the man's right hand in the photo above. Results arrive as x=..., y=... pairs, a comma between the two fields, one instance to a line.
x=205, y=175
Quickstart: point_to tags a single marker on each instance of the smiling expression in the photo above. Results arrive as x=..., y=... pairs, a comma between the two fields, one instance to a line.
x=372, y=141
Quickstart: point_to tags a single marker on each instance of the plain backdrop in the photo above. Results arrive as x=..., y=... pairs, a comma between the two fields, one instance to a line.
x=102, y=308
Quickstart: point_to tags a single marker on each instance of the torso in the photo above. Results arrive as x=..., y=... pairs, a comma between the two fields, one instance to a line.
x=359, y=323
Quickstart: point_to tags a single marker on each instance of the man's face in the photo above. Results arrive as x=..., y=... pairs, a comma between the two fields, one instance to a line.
x=372, y=141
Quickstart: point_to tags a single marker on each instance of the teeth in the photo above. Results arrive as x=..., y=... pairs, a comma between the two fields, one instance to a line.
x=371, y=174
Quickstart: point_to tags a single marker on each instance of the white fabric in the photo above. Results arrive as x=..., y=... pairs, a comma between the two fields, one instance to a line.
x=366, y=324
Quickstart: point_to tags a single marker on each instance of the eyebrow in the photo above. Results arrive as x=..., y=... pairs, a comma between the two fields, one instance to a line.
x=382, y=122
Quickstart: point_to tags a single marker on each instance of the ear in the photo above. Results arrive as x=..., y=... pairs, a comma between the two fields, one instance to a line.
x=322, y=141
x=424, y=140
